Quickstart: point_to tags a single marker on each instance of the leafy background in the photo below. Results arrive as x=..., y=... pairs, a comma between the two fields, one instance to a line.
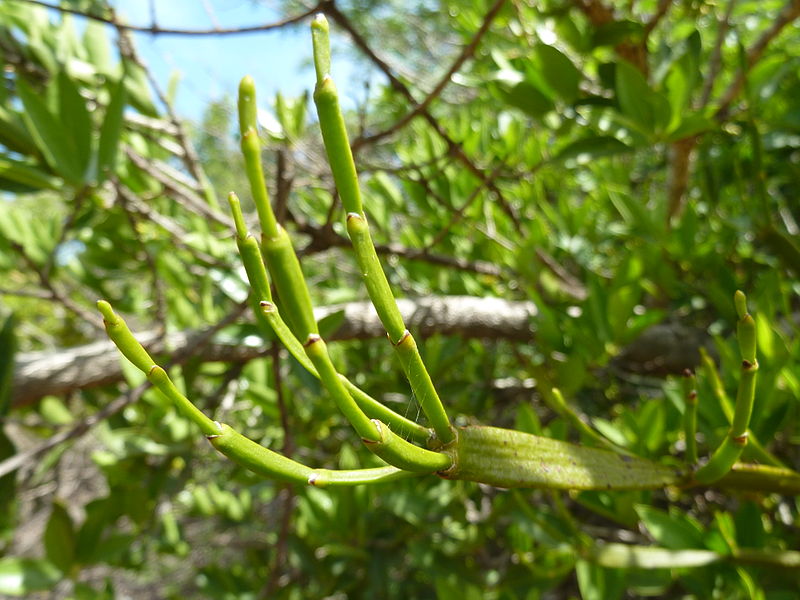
x=623, y=165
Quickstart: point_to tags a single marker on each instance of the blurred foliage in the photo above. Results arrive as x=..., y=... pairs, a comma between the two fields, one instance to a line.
x=101, y=199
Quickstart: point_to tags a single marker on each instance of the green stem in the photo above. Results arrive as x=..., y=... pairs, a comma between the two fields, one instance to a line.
x=251, y=151
x=121, y=335
x=399, y=453
x=372, y=407
x=731, y=448
x=380, y=440
x=272, y=465
x=276, y=244
x=317, y=351
x=420, y=381
x=755, y=450
x=340, y=157
x=292, y=290
x=690, y=416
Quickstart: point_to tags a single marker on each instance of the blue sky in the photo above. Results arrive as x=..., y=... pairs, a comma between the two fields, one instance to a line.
x=210, y=67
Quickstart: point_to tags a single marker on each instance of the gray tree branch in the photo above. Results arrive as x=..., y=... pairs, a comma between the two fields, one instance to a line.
x=39, y=374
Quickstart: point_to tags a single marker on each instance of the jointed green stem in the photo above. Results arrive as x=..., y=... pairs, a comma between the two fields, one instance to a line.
x=267, y=463
x=234, y=445
x=399, y=453
x=268, y=312
x=276, y=244
x=318, y=353
x=690, y=416
x=251, y=150
x=118, y=331
x=340, y=157
x=754, y=449
x=731, y=448
x=376, y=435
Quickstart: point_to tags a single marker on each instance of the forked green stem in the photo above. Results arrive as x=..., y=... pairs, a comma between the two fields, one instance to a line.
x=276, y=244
x=340, y=157
x=731, y=447
x=376, y=436
x=234, y=445
x=317, y=351
x=690, y=416
x=267, y=312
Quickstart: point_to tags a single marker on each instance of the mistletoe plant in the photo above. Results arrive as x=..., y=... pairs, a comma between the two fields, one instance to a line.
x=490, y=455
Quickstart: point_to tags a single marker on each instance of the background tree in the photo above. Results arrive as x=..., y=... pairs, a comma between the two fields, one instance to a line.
x=603, y=166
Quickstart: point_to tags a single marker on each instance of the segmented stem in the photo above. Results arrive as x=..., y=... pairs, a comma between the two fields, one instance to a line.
x=731, y=447
x=340, y=157
x=123, y=339
x=276, y=244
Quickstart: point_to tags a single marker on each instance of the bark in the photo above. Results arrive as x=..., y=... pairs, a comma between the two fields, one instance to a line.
x=39, y=374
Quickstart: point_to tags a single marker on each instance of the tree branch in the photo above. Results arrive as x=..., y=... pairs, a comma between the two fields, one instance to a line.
x=466, y=53
x=39, y=374
x=154, y=29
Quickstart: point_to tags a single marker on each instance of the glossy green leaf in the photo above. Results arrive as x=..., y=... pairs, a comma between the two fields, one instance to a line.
x=671, y=530
x=24, y=576
x=633, y=94
x=527, y=97
x=554, y=74
x=8, y=348
x=76, y=125
x=616, y=32
x=20, y=173
x=51, y=137
x=59, y=538
x=110, y=131
x=98, y=48
x=587, y=149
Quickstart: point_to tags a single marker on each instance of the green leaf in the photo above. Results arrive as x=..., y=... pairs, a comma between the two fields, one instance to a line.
x=19, y=173
x=98, y=49
x=632, y=94
x=110, y=131
x=554, y=74
x=59, y=538
x=13, y=134
x=8, y=484
x=138, y=89
x=76, y=123
x=50, y=136
x=672, y=531
x=598, y=583
x=616, y=32
x=23, y=576
x=527, y=97
x=587, y=149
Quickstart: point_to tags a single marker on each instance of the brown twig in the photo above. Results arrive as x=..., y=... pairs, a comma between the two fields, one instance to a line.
x=790, y=12
x=177, y=191
x=715, y=60
x=154, y=29
x=454, y=148
x=46, y=283
x=466, y=53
